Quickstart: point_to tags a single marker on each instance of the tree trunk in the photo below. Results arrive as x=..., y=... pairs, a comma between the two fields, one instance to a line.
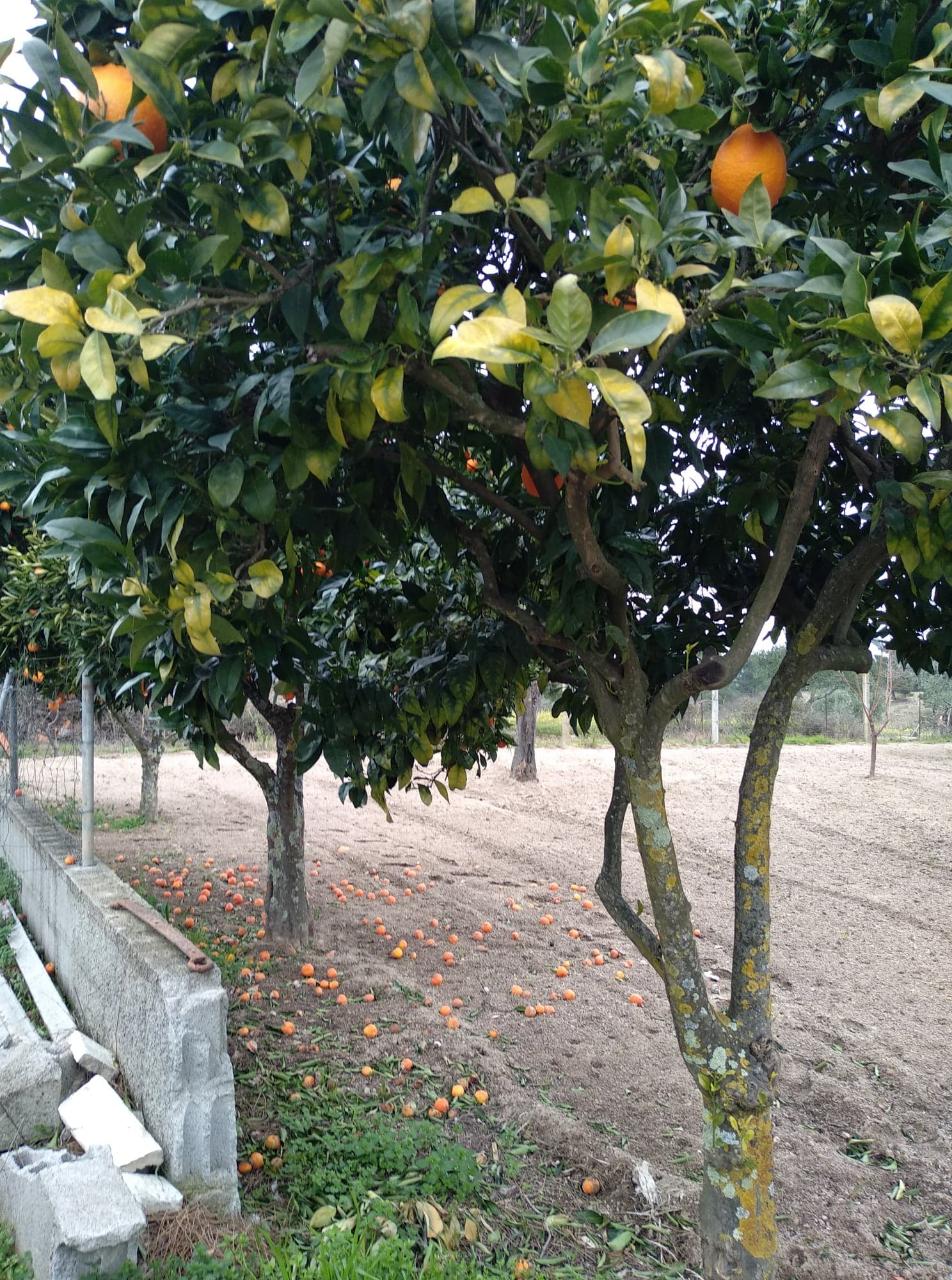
x=149, y=788
x=289, y=916
x=146, y=737
x=524, y=758
x=736, y=1217
x=873, y=744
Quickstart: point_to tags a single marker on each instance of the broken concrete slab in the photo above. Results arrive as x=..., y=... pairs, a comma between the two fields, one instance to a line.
x=96, y=1116
x=14, y=1024
x=154, y=1194
x=73, y=1214
x=91, y=1056
x=52, y=1008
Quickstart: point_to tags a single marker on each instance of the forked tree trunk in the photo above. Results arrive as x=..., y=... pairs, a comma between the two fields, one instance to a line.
x=524, y=758
x=289, y=917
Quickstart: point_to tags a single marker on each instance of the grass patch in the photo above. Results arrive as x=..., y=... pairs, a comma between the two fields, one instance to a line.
x=69, y=815
x=13, y=1265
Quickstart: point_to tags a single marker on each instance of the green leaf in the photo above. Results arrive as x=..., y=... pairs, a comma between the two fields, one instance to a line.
x=903, y=430
x=454, y=303
x=220, y=152
x=322, y=462
x=473, y=200
x=387, y=394
x=107, y=420
x=97, y=367
x=42, y=306
x=73, y=65
x=667, y=76
x=265, y=209
x=538, y=210
x=162, y=84
x=455, y=20
x=721, y=55
x=569, y=313
x=266, y=578
x=117, y=316
x=357, y=311
x=225, y=481
x=628, y=331
x=493, y=338
x=922, y=392
x=897, y=321
x=935, y=310
x=415, y=84
x=155, y=345
x=799, y=380
x=259, y=497
x=317, y=69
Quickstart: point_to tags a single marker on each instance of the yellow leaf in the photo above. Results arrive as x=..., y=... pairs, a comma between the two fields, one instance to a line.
x=117, y=316
x=633, y=408
x=155, y=345
x=572, y=400
x=59, y=340
x=666, y=80
x=620, y=243
x=139, y=373
x=430, y=1214
x=97, y=367
x=65, y=371
x=654, y=297
x=491, y=337
x=204, y=642
x=387, y=395
x=42, y=305
x=470, y=1230
x=898, y=321
x=198, y=613
x=266, y=578
x=506, y=185
x=513, y=304
x=473, y=200
x=264, y=208
x=454, y=303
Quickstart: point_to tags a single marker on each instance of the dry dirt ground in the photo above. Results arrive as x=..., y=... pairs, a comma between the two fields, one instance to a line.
x=862, y=963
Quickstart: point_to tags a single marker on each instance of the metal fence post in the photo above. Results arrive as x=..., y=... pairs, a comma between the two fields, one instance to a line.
x=88, y=757
x=12, y=738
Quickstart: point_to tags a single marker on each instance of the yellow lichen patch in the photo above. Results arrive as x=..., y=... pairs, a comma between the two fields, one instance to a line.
x=754, y=1188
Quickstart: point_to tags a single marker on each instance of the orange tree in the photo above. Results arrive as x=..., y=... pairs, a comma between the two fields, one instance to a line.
x=423, y=267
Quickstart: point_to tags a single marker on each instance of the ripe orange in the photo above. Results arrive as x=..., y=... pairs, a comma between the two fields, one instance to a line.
x=309, y=1082
x=406, y=1065
x=256, y=1160
x=287, y=1028
x=272, y=1142
x=441, y=1106
x=370, y=1031
x=115, y=95
x=481, y=1096
x=591, y=1186
x=530, y=486
x=740, y=159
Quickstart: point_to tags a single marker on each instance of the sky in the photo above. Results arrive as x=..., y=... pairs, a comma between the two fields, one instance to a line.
x=15, y=17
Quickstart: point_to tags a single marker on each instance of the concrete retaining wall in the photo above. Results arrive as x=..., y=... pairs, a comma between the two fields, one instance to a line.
x=130, y=989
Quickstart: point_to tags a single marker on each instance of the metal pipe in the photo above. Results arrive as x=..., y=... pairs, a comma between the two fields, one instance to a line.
x=5, y=693
x=88, y=741
x=715, y=716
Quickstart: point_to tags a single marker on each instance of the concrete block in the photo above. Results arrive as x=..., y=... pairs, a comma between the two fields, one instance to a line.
x=29, y=1092
x=92, y=1057
x=96, y=1116
x=154, y=1194
x=14, y=1024
x=73, y=1214
x=131, y=990
x=52, y=1008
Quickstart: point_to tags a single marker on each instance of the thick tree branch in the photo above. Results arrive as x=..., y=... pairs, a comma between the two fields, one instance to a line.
x=262, y=773
x=473, y=406
x=594, y=562
x=608, y=885
x=718, y=672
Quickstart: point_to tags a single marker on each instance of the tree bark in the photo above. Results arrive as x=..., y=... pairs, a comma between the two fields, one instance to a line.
x=873, y=744
x=288, y=914
x=146, y=737
x=524, y=759
x=736, y=1216
x=289, y=917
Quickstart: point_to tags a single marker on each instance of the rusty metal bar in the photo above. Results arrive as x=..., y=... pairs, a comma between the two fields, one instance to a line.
x=197, y=960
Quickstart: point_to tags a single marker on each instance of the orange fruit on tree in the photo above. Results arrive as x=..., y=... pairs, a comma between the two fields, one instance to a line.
x=115, y=95
x=530, y=486
x=742, y=157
